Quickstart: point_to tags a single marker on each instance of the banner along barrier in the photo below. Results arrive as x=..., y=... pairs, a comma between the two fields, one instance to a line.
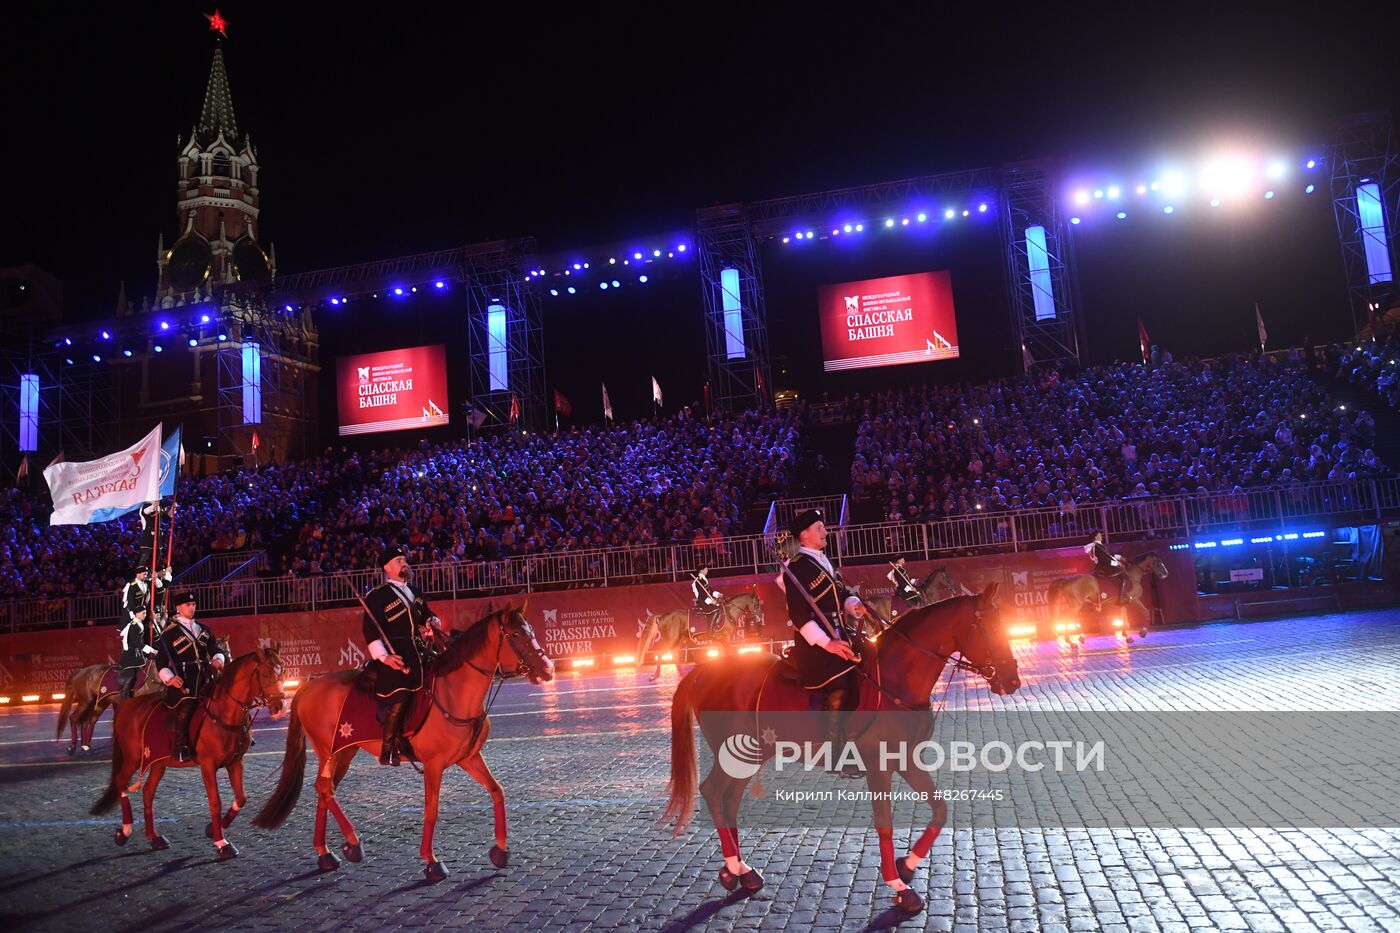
x=602, y=624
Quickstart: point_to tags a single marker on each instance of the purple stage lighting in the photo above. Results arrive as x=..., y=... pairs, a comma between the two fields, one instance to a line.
x=398, y=291
x=680, y=247
x=194, y=342
x=981, y=208
x=847, y=228
x=164, y=325
x=106, y=336
x=439, y=285
x=1122, y=215
x=1309, y=189
x=922, y=217
x=949, y=213
x=204, y=319
x=1312, y=163
x=642, y=279
x=1168, y=209
x=1074, y=220
x=572, y=291
x=1268, y=195
x=126, y=353
x=158, y=348
x=616, y=284
x=889, y=221
x=656, y=253
x=603, y=286
x=96, y=358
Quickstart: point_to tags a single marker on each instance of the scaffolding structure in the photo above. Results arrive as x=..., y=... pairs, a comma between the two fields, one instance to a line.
x=1040, y=281
x=1362, y=153
x=496, y=279
x=736, y=319
x=266, y=355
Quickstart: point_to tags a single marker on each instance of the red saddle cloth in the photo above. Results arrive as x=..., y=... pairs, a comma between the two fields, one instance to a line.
x=109, y=685
x=157, y=739
x=359, y=721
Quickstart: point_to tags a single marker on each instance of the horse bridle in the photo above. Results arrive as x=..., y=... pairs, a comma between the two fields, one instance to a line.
x=256, y=701
x=507, y=635
x=987, y=670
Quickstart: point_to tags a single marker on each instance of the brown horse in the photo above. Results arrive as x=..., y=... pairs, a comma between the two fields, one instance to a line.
x=84, y=701
x=1068, y=595
x=669, y=632
x=968, y=626
x=252, y=680
x=938, y=579
x=502, y=644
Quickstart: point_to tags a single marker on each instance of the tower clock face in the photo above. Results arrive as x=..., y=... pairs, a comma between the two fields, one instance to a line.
x=250, y=263
x=190, y=263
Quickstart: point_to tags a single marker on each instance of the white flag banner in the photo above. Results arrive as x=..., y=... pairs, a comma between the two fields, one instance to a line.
x=126, y=478
x=655, y=391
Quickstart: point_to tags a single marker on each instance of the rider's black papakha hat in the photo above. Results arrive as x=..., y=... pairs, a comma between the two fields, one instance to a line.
x=804, y=521
x=390, y=553
x=182, y=597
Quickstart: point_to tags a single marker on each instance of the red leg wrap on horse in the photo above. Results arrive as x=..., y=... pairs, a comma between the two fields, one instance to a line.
x=887, y=869
x=126, y=810
x=926, y=841
x=319, y=840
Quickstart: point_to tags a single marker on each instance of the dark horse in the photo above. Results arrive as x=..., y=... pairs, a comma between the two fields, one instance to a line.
x=84, y=701
x=910, y=658
x=1068, y=595
x=249, y=681
x=938, y=579
x=502, y=643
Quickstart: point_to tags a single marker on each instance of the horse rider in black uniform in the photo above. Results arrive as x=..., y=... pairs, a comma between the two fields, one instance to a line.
x=823, y=648
x=398, y=626
x=135, y=646
x=904, y=587
x=1108, y=566
x=707, y=599
x=150, y=529
x=193, y=662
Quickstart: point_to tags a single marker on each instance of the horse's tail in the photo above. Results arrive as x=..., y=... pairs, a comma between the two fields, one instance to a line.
x=1055, y=594
x=67, y=707
x=681, y=805
x=284, y=796
x=114, y=785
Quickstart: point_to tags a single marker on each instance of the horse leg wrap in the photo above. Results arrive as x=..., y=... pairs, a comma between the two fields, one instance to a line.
x=347, y=829
x=887, y=867
x=319, y=840
x=729, y=842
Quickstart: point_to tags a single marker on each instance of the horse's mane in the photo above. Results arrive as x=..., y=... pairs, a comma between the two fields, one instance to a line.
x=462, y=643
x=914, y=617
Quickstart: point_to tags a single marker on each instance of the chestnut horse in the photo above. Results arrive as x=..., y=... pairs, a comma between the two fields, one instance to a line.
x=1068, y=595
x=503, y=644
x=249, y=681
x=84, y=702
x=670, y=631
x=911, y=656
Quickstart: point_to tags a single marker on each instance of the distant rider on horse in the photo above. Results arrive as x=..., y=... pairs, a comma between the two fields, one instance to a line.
x=1108, y=567
x=707, y=599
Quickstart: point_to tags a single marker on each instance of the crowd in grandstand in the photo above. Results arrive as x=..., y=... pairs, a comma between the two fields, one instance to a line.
x=1372, y=363
x=679, y=480
x=1045, y=440
x=1108, y=432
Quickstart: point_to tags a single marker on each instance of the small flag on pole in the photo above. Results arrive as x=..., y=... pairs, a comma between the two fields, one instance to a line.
x=656, y=391
x=23, y=470
x=514, y=409
x=1144, y=342
x=1259, y=322
x=562, y=405
x=255, y=442
x=607, y=403
x=475, y=416
x=1026, y=358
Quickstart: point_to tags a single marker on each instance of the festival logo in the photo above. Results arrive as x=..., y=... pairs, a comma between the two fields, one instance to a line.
x=1020, y=578
x=852, y=302
x=740, y=756
x=551, y=616
x=6, y=680
x=351, y=655
x=364, y=373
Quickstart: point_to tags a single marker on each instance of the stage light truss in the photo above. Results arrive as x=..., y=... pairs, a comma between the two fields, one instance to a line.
x=736, y=319
x=1041, y=284
x=496, y=276
x=263, y=375
x=1362, y=151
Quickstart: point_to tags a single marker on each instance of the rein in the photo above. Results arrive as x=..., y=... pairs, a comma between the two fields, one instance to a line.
x=958, y=663
x=492, y=692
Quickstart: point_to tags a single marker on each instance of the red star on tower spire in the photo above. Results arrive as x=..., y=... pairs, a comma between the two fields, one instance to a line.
x=217, y=23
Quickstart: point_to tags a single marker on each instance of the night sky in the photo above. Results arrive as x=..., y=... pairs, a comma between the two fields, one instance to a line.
x=409, y=128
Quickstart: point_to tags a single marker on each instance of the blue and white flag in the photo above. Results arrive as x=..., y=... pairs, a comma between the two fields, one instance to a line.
x=98, y=490
x=171, y=457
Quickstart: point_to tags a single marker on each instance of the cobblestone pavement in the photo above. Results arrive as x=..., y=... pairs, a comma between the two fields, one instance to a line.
x=584, y=763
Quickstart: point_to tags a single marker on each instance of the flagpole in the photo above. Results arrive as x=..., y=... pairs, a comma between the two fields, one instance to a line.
x=170, y=544
x=155, y=548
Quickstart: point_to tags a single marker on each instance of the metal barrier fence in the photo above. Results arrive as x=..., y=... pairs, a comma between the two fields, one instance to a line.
x=1353, y=501
x=220, y=566
x=783, y=511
